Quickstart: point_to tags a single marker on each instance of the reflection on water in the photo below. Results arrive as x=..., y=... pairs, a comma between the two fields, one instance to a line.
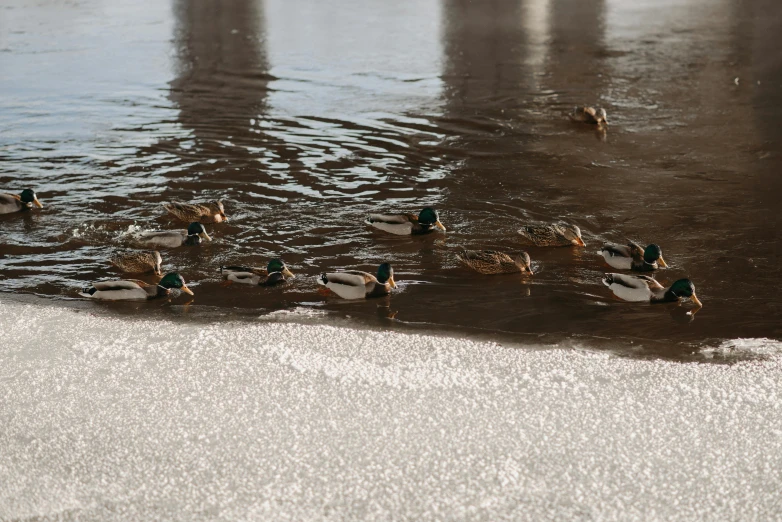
x=305, y=120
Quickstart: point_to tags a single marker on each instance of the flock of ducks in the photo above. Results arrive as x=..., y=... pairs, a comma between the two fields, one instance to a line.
x=357, y=284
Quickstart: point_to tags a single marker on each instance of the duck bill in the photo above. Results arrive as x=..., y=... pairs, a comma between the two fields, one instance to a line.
x=158, y=271
x=439, y=225
x=392, y=282
x=661, y=262
x=204, y=235
x=186, y=290
x=288, y=273
x=695, y=300
x=580, y=242
x=529, y=269
x=222, y=215
x=37, y=203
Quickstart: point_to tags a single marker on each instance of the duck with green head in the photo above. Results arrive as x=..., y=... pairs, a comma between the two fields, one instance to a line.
x=491, y=262
x=354, y=284
x=129, y=290
x=173, y=238
x=10, y=203
x=633, y=257
x=275, y=273
x=407, y=224
x=641, y=288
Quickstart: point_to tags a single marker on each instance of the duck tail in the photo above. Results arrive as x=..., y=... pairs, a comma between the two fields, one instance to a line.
x=608, y=279
x=322, y=279
x=88, y=291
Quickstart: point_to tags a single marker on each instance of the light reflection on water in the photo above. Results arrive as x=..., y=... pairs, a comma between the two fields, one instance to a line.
x=305, y=120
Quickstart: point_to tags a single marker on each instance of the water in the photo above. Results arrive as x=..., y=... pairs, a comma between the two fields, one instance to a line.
x=304, y=118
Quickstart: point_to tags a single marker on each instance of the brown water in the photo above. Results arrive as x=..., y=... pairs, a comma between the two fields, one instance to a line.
x=304, y=117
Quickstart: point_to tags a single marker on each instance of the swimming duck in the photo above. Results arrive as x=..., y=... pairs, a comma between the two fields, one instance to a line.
x=132, y=290
x=211, y=212
x=492, y=262
x=633, y=257
x=10, y=203
x=138, y=262
x=354, y=284
x=274, y=273
x=638, y=288
x=174, y=238
x=589, y=115
x=552, y=235
x=407, y=224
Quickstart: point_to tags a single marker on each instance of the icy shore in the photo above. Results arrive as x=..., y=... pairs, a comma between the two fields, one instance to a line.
x=108, y=419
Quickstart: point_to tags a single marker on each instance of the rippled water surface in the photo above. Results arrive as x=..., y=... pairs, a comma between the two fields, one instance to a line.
x=305, y=116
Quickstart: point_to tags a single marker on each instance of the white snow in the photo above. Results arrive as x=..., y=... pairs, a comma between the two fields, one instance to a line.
x=104, y=419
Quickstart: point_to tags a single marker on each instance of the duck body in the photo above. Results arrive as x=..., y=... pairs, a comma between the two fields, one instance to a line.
x=275, y=273
x=138, y=262
x=211, y=212
x=354, y=284
x=407, y=224
x=642, y=288
x=552, y=235
x=633, y=257
x=491, y=262
x=589, y=115
x=10, y=203
x=130, y=290
x=173, y=238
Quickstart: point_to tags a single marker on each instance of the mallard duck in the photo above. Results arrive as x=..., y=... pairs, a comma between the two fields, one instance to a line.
x=211, y=212
x=638, y=288
x=173, y=238
x=633, y=257
x=552, y=235
x=354, y=284
x=492, y=262
x=274, y=273
x=10, y=203
x=130, y=290
x=407, y=224
x=589, y=115
x=138, y=262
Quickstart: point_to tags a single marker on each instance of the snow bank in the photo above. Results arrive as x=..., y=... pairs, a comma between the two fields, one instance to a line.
x=105, y=419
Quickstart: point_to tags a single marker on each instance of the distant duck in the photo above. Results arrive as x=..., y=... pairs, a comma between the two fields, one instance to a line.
x=407, y=224
x=138, y=262
x=552, y=235
x=359, y=285
x=173, y=238
x=274, y=273
x=10, y=203
x=211, y=212
x=492, y=262
x=135, y=290
x=633, y=257
x=589, y=115
x=638, y=288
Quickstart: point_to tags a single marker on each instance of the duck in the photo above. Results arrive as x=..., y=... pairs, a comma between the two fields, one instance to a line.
x=633, y=257
x=173, y=238
x=138, y=262
x=589, y=115
x=640, y=288
x=10, y=203
x=354, y=284
x=210, y=212
x=552, y=235
x=135, y=290
x=492, y=262
x=407, y=224
x=274, y=273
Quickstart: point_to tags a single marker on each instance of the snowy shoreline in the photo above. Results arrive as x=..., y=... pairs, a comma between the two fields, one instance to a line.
x=105, y=419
